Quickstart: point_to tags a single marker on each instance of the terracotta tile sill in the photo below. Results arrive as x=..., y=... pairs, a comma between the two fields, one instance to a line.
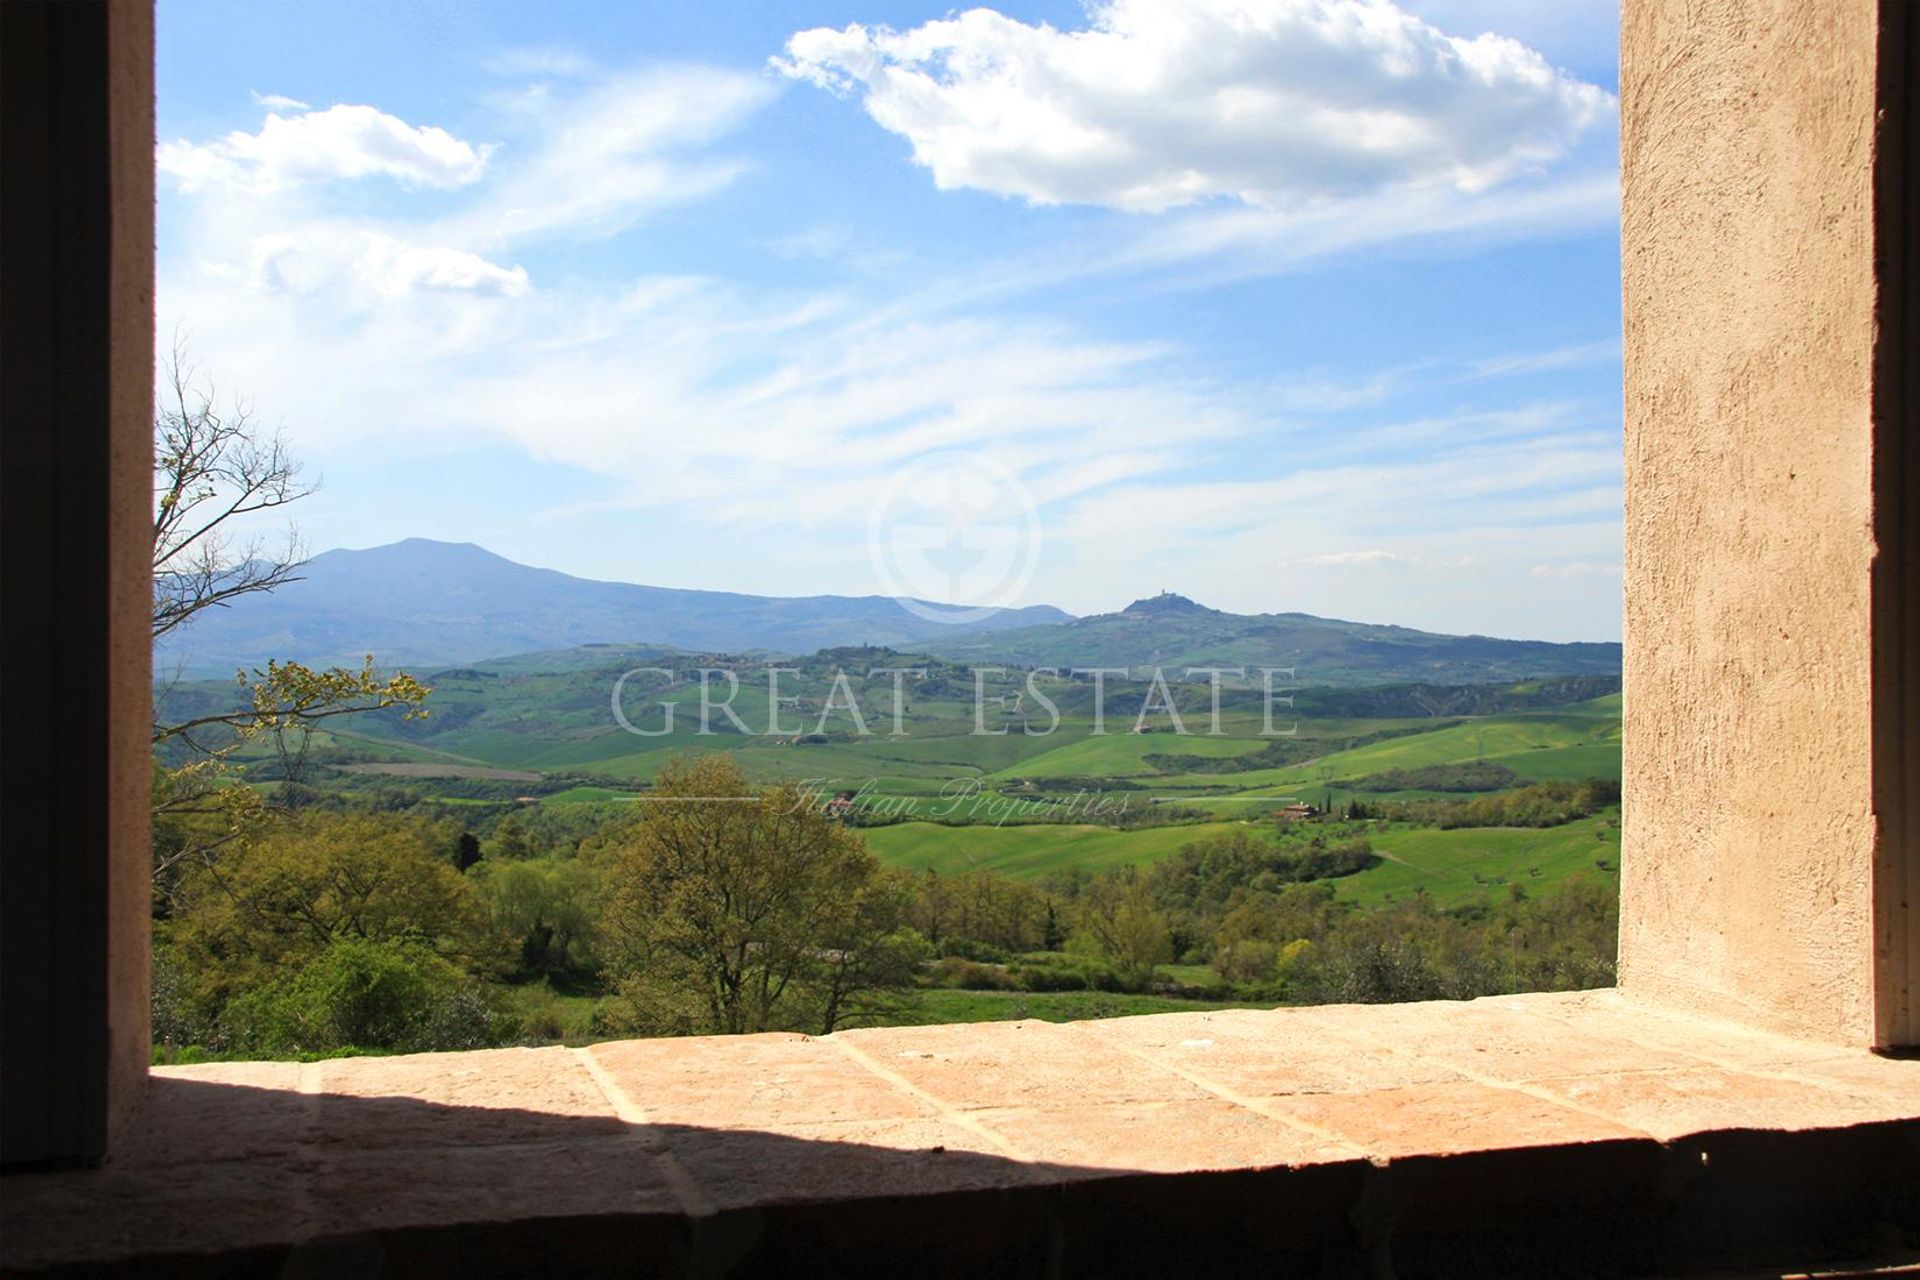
x=1580, y=1132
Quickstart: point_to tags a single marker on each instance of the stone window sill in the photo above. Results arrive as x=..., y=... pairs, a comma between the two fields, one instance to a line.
x=1583, y=1129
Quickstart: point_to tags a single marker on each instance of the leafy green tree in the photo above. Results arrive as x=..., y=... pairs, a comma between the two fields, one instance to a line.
x=1247, y=943
x=510, y=841
x=1053, y=934
x=981, y=914
x=270, y=904
x=736, y=910
x=1119, y=921
x=544, y=908
x=870, y=954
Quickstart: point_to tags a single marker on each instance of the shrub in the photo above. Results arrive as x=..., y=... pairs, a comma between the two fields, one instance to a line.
x=374, y=995
x=1050, y=977
x=543, y=1015
x=972, y=949
x=969, y=975
x=1080, y=973
x=178, y=1018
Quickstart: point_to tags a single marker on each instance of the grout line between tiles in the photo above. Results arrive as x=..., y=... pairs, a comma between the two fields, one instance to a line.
x=693, y=1198
x=1786, y=1070
x=950, y=1113
x=1485, y=1080
x=1255, y=1105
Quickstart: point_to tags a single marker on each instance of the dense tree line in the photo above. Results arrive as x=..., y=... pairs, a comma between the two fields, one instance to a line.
x=1395, y=701
x=1544, y=804
x=718, y=907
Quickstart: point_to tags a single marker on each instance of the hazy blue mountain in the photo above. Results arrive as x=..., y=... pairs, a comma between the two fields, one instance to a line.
x=423, y=603
x=426, y=605
x=1172, y=631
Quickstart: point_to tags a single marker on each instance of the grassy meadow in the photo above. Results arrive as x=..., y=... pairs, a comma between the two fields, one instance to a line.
x=1457, y=839
x=999, y=787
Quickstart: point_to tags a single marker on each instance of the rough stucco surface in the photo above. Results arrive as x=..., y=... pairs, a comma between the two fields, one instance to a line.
x=129, y=506
x=1746, y=146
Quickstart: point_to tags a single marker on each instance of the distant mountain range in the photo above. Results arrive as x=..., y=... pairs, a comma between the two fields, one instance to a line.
x=425, y=605
x=421, y=604
x=1172, y=631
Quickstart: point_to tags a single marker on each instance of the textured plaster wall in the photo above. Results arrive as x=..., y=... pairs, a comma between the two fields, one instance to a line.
x=1746, y=150
x=129, y=500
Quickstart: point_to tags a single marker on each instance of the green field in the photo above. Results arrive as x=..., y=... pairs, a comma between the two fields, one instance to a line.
x=1459, y=865
x=1452, y=867
x=559, y=721
x=926, y=1007
x=588, y=795
x=1122, y=755
x=548, y=732
x=1036, y=849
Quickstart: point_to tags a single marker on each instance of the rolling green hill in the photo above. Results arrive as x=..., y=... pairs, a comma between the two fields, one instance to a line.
x=542, y=726
x=1172, y=631
x=1457, y=866
x=1033, y=850
x=1452, y=867
x=559, y=722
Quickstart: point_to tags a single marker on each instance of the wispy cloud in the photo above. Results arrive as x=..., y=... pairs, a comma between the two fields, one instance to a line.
x=1344, y=559
x=278, y=102
x=1567, y=357
x=1235, y=243
x=607, y=157
x=555, y=60
x=601, y=159
x=739, y=405
x=1578, y=569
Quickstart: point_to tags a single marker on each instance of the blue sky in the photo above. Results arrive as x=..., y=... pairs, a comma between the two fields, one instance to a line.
x=1284, y=304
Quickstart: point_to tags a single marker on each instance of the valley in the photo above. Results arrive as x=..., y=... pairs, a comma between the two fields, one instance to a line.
x=1207, y=810
x=503, y=739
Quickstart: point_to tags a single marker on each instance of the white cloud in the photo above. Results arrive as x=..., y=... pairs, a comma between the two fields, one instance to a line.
x=1578, y=569
x=278, y=102
x=438, y=267
x=757, y=416
x=1435, y=539
x=764, y=419
x=370, y=267
x=1346, y=559
x=1164, y=103
x=559, y=60
x=317, y=146
x=593, y=161
x=1582, y=33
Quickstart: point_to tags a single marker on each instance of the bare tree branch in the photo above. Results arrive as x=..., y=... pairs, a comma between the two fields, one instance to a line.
x=215, y=471
x=211, y=468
